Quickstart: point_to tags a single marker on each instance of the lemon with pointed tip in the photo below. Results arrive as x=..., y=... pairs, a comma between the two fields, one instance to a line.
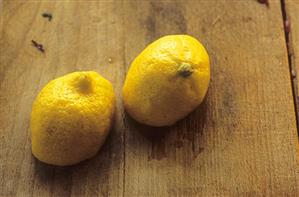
x=167, y=80
x=71, y=118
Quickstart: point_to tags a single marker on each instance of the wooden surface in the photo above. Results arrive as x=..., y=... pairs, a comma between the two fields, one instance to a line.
x=240, y=142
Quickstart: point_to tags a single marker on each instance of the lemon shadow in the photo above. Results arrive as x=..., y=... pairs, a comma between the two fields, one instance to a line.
x=163, y=140
x=90, y=175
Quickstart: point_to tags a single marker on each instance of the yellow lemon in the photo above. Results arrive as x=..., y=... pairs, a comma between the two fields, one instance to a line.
x=71, y=118
x=167, y=80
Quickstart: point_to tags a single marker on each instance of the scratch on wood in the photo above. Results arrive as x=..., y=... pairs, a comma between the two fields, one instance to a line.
x=266, y=2
x=40, y=47
x=216, y=21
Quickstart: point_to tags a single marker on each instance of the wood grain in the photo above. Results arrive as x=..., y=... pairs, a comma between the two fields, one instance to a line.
x=81, y=36
x=240, y=142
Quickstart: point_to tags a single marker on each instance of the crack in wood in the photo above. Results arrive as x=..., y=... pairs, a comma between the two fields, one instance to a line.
x=287, y=28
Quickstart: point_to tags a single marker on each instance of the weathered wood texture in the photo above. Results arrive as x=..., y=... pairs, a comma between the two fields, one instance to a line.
x=81, y=36
x=240, y=142
x=292, y=13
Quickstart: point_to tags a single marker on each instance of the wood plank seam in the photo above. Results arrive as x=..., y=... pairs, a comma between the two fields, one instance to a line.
x=123, y=117
x=291, y=61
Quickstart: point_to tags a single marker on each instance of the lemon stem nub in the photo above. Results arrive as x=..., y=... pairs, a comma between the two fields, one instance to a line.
x=185, y=70
x=84, y=83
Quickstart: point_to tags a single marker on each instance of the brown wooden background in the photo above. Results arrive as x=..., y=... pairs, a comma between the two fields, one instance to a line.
x=242, y=141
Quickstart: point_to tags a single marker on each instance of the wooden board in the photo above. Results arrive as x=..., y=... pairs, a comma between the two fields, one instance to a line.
x=240, y=142
x=81, y=36
x=234, y=144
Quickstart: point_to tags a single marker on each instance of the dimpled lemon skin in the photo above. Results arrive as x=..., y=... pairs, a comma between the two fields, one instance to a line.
x=167, y=81
x=71, y=118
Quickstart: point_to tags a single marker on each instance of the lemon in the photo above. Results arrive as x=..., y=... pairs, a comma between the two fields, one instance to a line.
x=167, y=80
x=71, y=118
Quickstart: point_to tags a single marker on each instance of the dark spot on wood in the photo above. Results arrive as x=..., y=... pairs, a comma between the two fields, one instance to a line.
x=169, y=15
x=157, y=136
x=150, y=27
x=194, y=125
x=246, y=19
x=229, y=110
x=40, y=47
x=266, y=2
x=228, y=101
x=47, y=15
x=173, y=14
x=158, y=150
x=179, y=143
